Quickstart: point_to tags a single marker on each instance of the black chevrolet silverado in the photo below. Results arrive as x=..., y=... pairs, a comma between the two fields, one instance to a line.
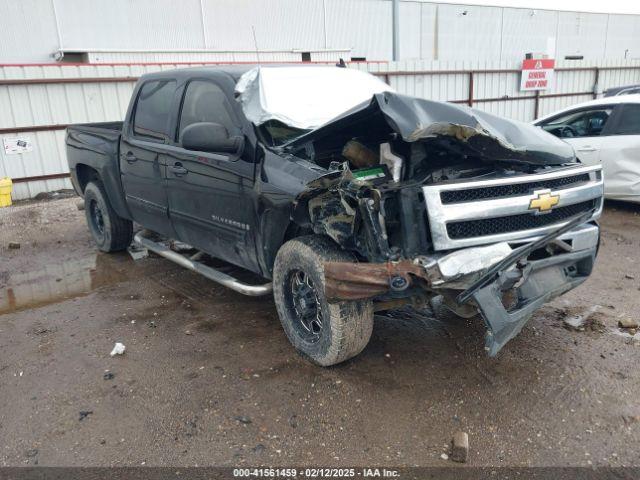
x=344, y=196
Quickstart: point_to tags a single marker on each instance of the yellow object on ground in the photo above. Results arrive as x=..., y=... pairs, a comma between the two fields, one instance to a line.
x=6, y=185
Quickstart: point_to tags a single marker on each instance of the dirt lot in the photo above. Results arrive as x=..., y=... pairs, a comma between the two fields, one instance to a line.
x=208, y=377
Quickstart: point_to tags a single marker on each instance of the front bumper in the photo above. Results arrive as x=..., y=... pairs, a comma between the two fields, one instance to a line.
x=531, y=285
x=505, y=304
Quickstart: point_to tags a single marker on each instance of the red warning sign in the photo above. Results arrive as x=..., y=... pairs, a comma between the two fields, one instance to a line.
x=537, y=74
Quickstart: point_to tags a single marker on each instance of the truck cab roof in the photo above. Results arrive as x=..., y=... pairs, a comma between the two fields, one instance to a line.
x=233, y=71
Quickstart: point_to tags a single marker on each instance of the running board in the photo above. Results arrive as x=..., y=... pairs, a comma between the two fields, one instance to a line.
x=202, y=269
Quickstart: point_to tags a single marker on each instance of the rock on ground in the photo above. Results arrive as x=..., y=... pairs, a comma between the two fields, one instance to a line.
x=460, y=447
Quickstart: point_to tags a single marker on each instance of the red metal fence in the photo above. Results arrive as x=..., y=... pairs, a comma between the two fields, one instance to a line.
x=576, y=85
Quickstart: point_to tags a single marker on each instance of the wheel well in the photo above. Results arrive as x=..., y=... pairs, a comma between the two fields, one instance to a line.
x=85, y=174
x=294, y=230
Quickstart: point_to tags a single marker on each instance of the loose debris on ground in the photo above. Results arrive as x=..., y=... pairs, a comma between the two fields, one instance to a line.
x=460, y=447
x=118, y=349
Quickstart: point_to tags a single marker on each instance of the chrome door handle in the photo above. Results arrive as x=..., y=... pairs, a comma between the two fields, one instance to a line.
x=130, y=157
x=178, y=170
x=586, y=148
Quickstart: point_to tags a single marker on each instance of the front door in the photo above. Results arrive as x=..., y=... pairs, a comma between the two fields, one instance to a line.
x=587, y=149
x=211, y=198
x=582, y=129
x=142, y=156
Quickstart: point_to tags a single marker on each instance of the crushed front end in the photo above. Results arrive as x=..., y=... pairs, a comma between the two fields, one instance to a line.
x=434, y=199
x=548, y=221
x=472, y=227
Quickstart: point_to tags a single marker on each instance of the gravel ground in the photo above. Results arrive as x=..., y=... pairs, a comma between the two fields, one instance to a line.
x=208, y=377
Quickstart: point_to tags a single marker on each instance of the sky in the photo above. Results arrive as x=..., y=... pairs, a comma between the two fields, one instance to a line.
x=599, y=6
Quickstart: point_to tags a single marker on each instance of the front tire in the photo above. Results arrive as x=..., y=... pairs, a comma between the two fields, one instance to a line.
x=325, y=333
x=110, y=232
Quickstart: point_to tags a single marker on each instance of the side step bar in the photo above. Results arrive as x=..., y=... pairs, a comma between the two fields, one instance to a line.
x=202, y=269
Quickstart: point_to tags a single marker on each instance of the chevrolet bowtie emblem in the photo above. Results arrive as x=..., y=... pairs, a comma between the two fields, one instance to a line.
x=543, y=202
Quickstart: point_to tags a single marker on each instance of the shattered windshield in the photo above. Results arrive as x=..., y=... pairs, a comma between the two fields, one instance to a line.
x=289, y=101
x=277, y=133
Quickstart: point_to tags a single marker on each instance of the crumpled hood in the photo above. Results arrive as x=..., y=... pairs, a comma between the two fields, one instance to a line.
x=482, y=133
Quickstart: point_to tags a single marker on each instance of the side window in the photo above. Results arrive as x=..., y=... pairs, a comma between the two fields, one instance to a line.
x=582, y=123
x=629, y=91
x=151, y=118
x=206, y=102
x=628, y=122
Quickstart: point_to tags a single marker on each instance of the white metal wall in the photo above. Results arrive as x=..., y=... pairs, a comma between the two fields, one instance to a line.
x=33, y=29
x=278, y=24
x=189, y=56
x=363, y=25
x=496, y=85
x=32, y=105
x=523, y=32
x=60, y=104
x=29, y=32
x=130, y=24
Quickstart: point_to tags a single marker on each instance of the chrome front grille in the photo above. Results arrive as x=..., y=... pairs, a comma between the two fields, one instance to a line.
x=463, y=214
x=511, y=190
x=515, y=223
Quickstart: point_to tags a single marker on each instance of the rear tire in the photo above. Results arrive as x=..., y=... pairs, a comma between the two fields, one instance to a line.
x=110, y=232
x=325, y=333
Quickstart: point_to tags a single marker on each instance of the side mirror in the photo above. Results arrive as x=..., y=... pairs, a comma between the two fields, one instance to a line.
x=210, y=137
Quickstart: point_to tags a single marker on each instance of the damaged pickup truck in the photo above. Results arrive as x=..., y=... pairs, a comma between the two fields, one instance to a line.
x=346, y=197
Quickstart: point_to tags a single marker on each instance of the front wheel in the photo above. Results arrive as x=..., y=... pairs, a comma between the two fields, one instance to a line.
x=326, y=333
x=110, y=232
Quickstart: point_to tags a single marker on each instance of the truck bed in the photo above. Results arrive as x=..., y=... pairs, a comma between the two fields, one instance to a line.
x=84, y=140
x=94, y=147
x=97, y=127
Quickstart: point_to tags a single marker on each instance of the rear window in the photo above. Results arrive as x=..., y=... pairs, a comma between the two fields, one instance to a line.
x=628, y=121
x=151, y=118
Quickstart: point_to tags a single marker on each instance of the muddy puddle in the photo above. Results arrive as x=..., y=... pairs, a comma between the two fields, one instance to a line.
x=56, y=282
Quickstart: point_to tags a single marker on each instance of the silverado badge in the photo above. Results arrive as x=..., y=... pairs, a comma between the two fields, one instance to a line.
x=543, y=201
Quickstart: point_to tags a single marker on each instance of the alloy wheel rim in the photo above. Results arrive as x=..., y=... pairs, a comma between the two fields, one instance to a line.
x=98, y=218
x=306, y=305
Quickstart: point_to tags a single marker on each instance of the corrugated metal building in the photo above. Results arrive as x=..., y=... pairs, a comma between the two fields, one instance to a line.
x=38, y=102
x=232, y=30
x=465, y=54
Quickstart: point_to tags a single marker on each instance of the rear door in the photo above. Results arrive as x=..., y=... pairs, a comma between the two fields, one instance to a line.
x=211, y=197
x=142, y=155
x=583, y=129
x=620, y=155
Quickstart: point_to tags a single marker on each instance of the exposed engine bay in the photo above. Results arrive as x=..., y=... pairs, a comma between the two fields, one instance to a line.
x=382, y=154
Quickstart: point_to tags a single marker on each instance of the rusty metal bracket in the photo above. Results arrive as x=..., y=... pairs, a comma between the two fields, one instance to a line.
x=356, y=281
